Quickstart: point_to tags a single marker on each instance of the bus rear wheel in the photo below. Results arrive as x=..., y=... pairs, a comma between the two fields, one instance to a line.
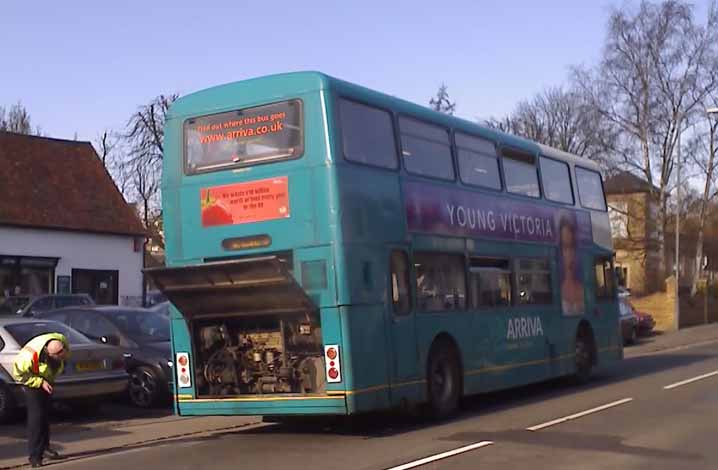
x=584, y=356
x=443, y=380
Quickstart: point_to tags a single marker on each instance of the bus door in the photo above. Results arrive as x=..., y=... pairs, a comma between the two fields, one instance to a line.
x=603, y=298
x=401, y=320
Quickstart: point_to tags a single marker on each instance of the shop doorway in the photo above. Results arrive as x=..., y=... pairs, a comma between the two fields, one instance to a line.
x=101, y=285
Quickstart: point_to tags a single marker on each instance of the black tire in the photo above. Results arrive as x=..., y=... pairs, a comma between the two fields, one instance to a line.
x=144, y=387
x=8, y=409
x=584, y=356
x=443, y=378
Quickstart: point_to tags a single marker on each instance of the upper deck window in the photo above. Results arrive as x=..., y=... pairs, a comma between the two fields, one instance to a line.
x=556, y=180
x=426, y=149
x=590, y=189
x=367, y=135
x=478, y=163
x=520, y=172
x=239, y=138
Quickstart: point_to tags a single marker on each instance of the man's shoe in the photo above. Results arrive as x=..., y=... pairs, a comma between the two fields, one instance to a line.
x=52, y=454
x=35, y=463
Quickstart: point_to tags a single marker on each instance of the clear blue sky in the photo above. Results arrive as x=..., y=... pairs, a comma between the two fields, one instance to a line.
x=84, y=66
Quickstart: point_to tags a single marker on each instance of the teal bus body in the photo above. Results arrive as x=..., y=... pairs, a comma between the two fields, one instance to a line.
x=344, y=222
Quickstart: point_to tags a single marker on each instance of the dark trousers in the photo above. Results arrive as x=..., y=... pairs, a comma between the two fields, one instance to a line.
x=37, y=401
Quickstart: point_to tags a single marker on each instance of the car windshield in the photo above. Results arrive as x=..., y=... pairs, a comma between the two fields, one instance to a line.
x=24, y=332
x=625, y=308
x=142, y=325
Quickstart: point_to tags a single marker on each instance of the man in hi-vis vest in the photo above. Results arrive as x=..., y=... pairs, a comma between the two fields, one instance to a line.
x=39, y=362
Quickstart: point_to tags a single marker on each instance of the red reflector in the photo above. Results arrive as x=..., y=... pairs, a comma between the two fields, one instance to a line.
x=182, y=360
x=331, y=363
x=333, y=373
x=332, y=353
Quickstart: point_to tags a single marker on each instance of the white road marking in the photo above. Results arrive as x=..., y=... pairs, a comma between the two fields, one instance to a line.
x=443, y=455
x=694, y=379
x=578, y=415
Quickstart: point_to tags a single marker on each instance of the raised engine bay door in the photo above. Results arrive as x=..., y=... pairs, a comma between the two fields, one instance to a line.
x=251, y=286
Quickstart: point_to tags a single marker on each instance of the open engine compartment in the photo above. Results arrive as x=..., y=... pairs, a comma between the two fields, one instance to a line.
x=255, y=355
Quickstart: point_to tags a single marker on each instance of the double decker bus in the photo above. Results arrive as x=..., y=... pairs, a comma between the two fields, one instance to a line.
x=335, y=250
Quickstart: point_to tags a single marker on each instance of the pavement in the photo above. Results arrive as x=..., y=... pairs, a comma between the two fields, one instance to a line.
x=131, y=429
x=89, y=437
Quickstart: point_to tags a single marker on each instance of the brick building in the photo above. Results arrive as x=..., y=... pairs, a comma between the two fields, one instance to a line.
x=633, y=211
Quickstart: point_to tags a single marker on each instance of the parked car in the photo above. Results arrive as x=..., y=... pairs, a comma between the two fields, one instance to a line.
x=623, y=292
x=92, y=373
x=646, y=323
x=11, y=305
x=161, y=308
x=628, y=321
x=142, y=335
x=30, y=306
x=154, y=297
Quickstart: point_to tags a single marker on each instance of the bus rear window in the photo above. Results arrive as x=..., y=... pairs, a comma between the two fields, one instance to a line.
x=243, y=137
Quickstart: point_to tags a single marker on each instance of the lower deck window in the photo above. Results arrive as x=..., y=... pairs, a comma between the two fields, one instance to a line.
x=440, y=282
x=490, y=282
x=533, y=281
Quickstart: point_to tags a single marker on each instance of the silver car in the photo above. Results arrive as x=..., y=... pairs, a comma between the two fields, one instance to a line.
x=92, y=372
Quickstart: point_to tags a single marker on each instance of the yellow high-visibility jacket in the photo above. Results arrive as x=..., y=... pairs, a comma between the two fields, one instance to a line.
x=29, y=368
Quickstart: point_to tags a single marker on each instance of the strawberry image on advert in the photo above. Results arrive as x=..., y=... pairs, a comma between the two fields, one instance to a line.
x=214, y=212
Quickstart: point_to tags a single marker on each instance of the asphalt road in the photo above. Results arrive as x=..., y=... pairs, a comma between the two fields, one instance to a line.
x=624, y=419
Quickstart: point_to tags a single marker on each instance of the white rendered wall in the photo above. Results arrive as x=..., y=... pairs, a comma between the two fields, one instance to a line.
x=78, y=250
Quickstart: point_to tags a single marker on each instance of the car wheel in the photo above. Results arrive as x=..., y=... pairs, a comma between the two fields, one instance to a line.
x=143, y=387
x=443, y=380
x=7, y=404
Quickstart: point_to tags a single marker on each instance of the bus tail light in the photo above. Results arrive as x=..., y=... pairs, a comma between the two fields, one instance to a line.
x=332, y=363
x=183, y=377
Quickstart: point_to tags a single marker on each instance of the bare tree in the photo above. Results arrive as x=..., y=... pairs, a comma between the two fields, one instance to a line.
x=562, y=119
x=145, y=183
x=144, y=141
x=113, y=153
x=17, y=119
x=703, y=153
x=142, y=168
x=145, y=129
x=105, y=144
x=658, y=65
x=441, y=102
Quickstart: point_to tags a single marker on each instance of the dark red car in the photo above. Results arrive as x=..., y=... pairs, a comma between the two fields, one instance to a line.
x=645, y=322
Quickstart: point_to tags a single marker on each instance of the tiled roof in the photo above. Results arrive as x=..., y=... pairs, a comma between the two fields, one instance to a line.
x=60, y=184
x=624, y=182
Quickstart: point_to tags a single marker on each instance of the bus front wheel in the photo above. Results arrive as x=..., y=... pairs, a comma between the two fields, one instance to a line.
x=443, y=380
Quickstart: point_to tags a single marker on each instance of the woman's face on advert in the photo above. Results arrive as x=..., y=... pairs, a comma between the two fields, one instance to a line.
x=567, y=246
